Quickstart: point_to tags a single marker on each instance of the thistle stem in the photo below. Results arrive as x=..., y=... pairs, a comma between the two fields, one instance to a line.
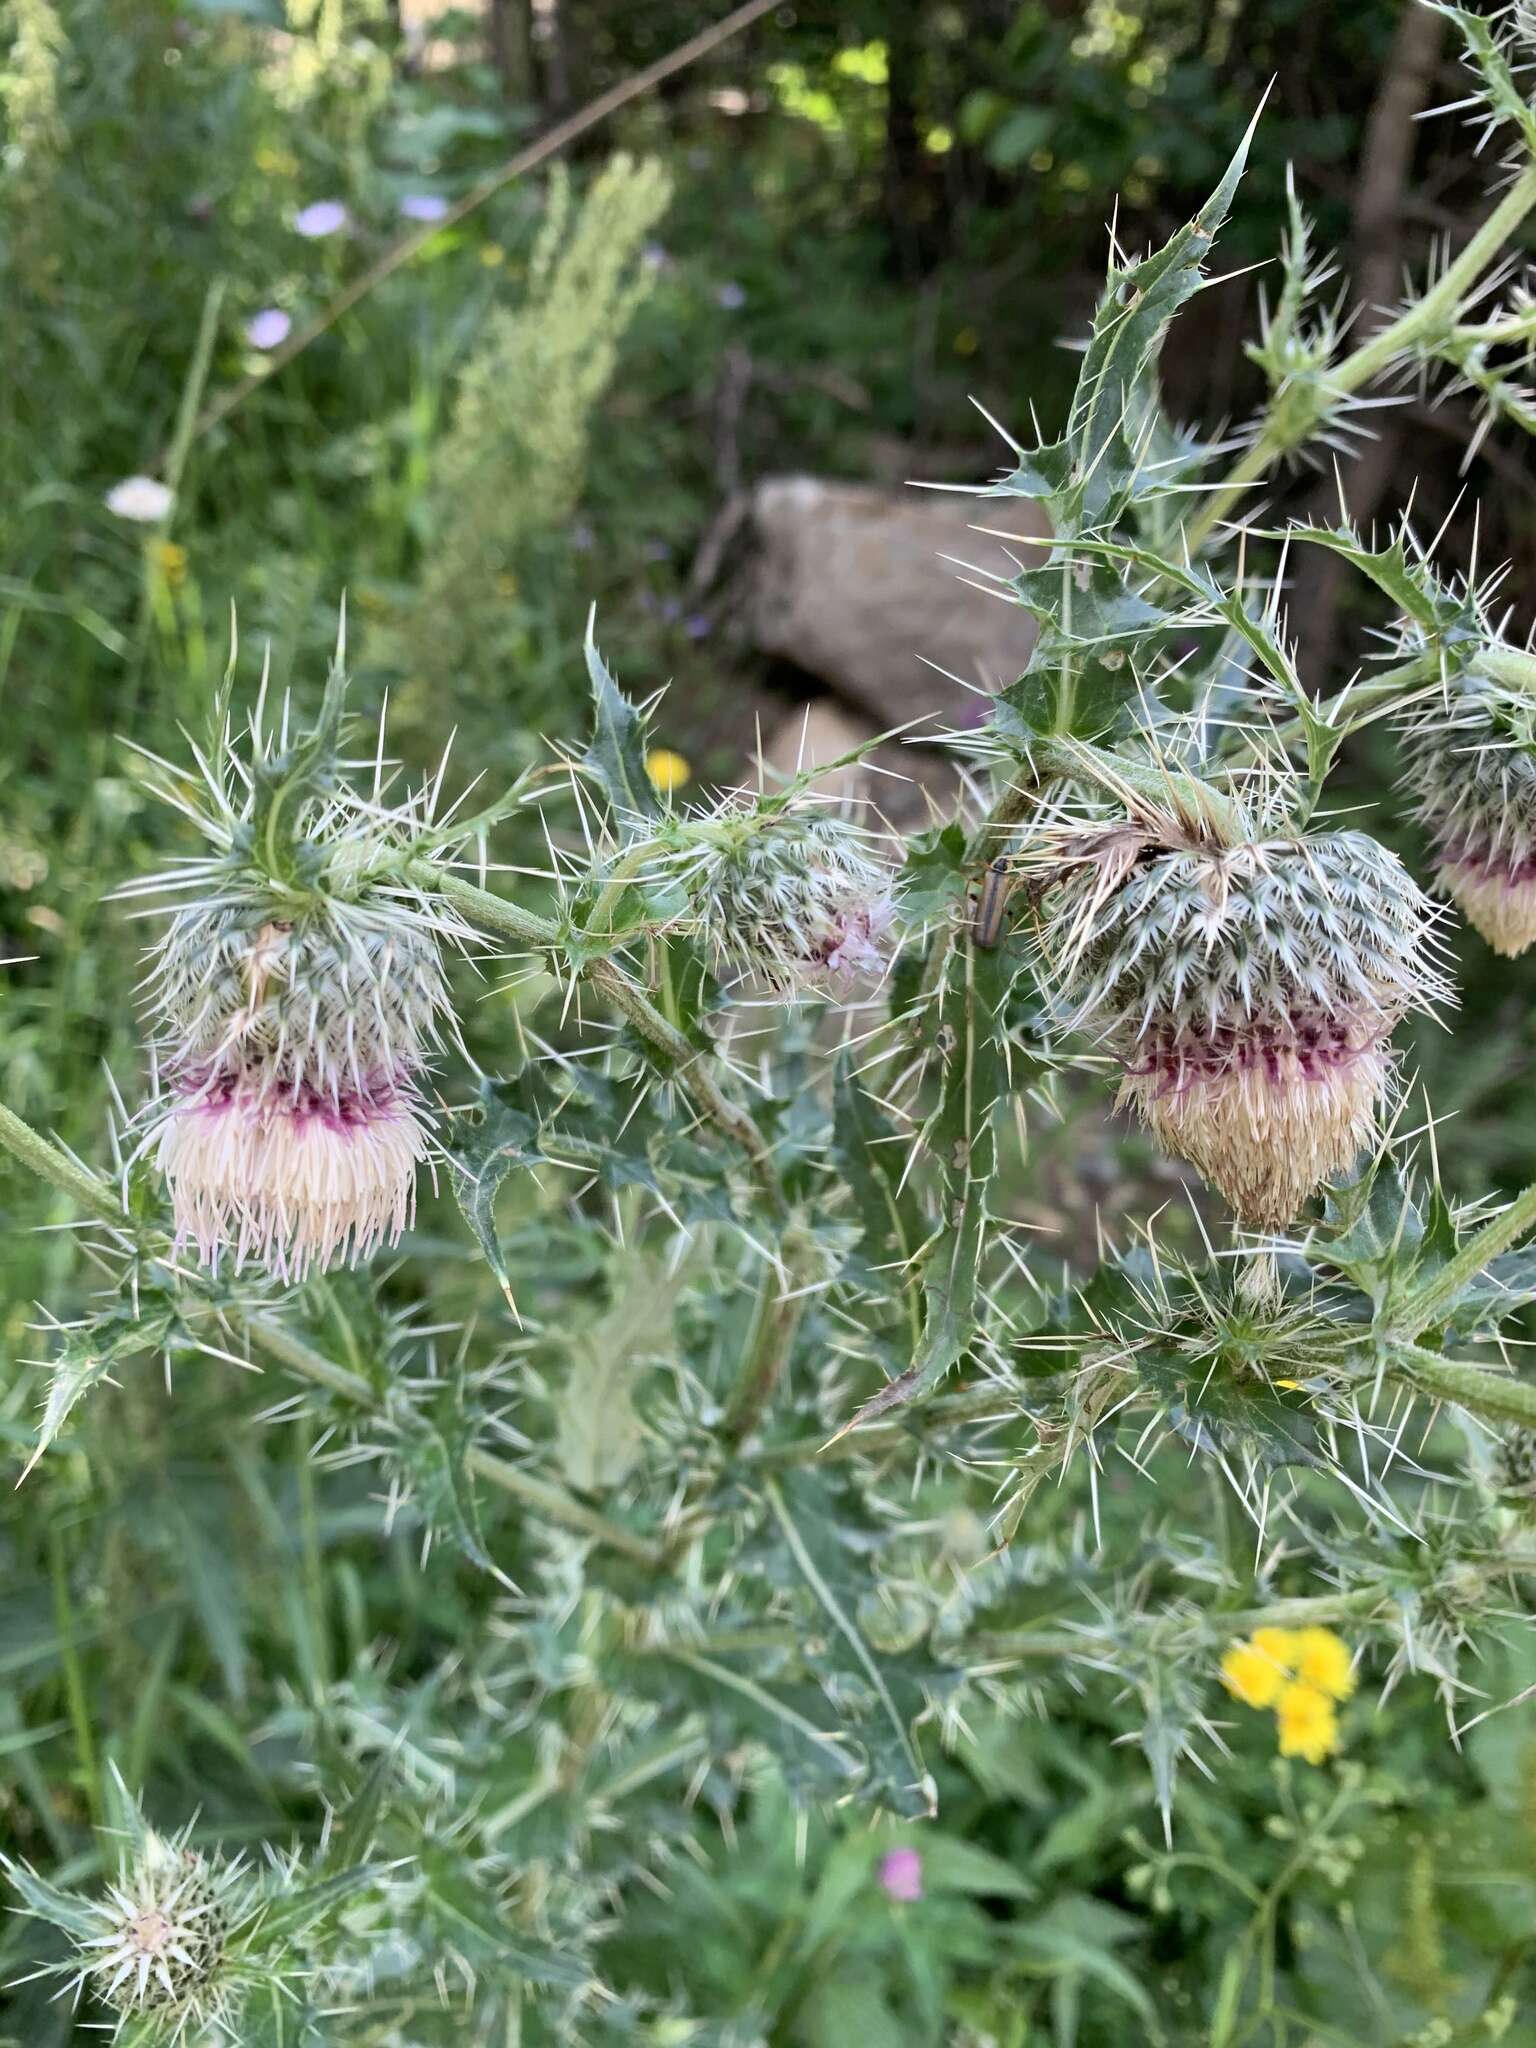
x=1075, y=760
x=1496, y=1396
x=689, y=1065
x=53, y=1164
x=290, y=1351
x=1434, y=310
x=774, y=1327
x=97, y=1196
x=1423, y=1305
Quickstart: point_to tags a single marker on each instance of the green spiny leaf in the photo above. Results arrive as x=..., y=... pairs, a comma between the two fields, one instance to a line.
x=616, y=755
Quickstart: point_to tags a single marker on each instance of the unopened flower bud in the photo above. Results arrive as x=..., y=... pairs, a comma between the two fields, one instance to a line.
x=163, y=1926
x=801, y=900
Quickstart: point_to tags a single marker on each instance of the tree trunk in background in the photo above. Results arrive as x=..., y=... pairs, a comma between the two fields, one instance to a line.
x=511, y=50
x=548, y=33
x=905, y=197
x=1386, y=158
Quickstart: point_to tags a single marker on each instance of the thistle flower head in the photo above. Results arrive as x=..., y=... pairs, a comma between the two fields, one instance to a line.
x=296, y=1000
x=162, y=1929
x=1248, y=988
x=797, y=898
x=1472, y=768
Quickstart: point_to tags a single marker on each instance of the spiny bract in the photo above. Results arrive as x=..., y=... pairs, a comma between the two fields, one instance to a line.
x=1472, y=767
x=163, y=1927
x=799, y=899
x=1248, y=989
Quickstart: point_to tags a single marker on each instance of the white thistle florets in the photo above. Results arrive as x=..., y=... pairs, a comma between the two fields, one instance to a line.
x=1472, y=769
x=163, y=1928
x=292, y=1047
x=799, y=900
x=1248, y=989
x=296, y=1000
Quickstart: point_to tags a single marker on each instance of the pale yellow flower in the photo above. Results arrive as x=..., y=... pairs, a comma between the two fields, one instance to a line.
x=1308, y=1725
x=493, y=255
x=172, y=558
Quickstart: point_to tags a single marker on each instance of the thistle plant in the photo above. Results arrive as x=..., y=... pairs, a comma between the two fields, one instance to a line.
x=788, y=1463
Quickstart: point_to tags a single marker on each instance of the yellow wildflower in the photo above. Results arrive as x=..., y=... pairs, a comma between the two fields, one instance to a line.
x=668, y=771
x=276, y=163
x=1251, y=1676
x=1279, y=1645
x=1322, y=1660
x=172, y=560
x=1308, y=1726
x=492, y=255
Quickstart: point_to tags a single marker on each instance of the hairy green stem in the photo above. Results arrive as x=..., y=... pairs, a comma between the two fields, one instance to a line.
x=53, y=1164
x=772, y=1339
x=1421, y=1306
x=691, y=1067
x=1496, y=1396
x=1151, y=781
x=268, y=1334
x=1433, y=311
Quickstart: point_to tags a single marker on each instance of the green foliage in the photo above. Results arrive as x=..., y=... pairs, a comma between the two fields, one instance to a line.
x=754, y=1563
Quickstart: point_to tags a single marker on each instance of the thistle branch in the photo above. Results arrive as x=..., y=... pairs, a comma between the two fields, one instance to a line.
x=1424, y=1305
x=691, y=1067
x=1423, y=318
x=98, y=1197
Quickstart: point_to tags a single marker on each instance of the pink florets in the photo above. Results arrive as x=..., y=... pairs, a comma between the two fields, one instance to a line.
x=293, y=1181
x=859, y=943
x=901, y=1875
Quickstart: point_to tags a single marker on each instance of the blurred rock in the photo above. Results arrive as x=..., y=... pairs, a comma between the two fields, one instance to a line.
x=847, y=582
x=897, y=780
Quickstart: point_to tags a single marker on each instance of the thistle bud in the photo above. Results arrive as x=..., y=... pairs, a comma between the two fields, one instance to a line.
x=1249, y=991
x=163, y=1927
x=292, y=1048
x=799, y=900
x=1472, y=767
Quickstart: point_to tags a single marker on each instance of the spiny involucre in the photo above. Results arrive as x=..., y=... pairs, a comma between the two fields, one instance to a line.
x=799, y=898
x=153, y=1948
x=1247, y=981
x=294, y=1014
x=1472, y=767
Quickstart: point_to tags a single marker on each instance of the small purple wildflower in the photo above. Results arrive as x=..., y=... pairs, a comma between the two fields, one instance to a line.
x=731, y=296
x=901, y=1875
x=423, y=206
x=269, y=329
x=698, y=625
x=655, y=257
x=321, y=218
x=582, y=537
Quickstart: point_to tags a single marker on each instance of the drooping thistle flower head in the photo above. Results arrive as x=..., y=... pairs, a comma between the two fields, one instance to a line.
x=160, y=1934
x=296, y=1001
x=796, y=897
x=1472, y=768
x=1247, y=980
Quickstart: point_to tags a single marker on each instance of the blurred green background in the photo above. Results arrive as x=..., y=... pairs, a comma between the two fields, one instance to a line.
x=874, y=213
